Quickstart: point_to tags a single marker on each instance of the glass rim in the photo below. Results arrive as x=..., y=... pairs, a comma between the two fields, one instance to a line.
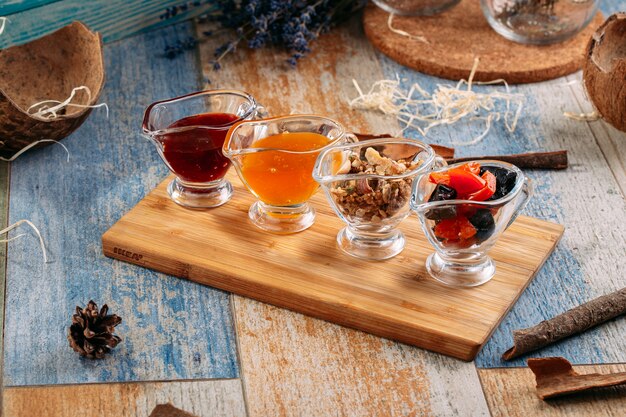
x=239, y=93
x=227, y=151
x=322, y=179
x=519, y=183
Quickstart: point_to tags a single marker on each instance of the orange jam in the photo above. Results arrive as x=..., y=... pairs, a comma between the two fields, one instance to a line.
x=281, y=178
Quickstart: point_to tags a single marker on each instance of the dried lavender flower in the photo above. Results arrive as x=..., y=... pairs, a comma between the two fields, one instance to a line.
x=291, y=24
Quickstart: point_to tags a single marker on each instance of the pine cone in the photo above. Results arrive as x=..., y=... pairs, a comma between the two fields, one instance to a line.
x=91, y=333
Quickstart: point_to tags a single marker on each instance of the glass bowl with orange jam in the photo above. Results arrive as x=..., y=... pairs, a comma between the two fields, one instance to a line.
x=274, y=159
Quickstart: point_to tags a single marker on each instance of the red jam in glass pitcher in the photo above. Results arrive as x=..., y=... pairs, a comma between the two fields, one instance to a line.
x=195, y=155
x=188, y=132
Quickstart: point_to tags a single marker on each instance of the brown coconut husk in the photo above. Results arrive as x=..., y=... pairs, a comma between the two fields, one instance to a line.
x=604, y=70
x=48, y=68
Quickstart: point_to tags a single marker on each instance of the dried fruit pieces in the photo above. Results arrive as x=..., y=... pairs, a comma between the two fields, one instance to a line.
x=441, y=193
x=468, y=181
x=484, y=223
x=464, y=225
x=457, y=228
x=505, y=181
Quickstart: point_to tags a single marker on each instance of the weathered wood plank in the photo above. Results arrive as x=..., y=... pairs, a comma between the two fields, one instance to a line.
x=609, y=7
x=172, y=329
x=611, y=141
x=14, y=6
x=114, y=19
x=588, y=261
x=4, y=215
x=512, y=393
x=218, y=398
x=297, y=365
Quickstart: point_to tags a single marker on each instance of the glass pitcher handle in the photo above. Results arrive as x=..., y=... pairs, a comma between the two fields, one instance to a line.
x=260, y=112
x=350, y=138
x=522, y=201
x=439, y=162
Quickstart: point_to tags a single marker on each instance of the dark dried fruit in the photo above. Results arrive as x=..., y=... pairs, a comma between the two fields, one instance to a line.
x=505, y=181
x=484, y=223
x=442, y=193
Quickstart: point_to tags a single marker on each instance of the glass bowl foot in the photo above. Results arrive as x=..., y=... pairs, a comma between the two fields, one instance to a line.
x=371, y=247
x=281, y=220
x=200, y=195
x=460, y=274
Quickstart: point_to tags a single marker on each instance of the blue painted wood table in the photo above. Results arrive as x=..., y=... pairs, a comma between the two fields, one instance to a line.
x=215, y=354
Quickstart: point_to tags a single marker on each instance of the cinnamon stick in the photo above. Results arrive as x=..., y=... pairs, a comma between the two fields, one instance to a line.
x=576, y=320
x=531, y=160
x=555, y=377
x=534, y=160
x=443, y=151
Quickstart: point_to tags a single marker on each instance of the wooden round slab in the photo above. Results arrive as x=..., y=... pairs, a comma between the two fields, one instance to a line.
x=456, y=36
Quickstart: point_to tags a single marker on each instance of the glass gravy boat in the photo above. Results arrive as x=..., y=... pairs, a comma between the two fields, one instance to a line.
x=189, y=132
x=369, y=184
x=274, y=159
x=465, y=262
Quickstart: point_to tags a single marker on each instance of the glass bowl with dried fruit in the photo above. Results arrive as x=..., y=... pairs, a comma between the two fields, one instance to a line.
x=368, y=184
x=464, y=208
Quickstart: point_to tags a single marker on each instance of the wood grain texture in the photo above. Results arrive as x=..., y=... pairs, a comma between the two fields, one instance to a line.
x=322, y=83
x=297, y=365
x=512, y=393
x=4, y=216
x=611, y=141
x=114, y=19
x=588, y=261
x=306, y=273
x=171, y=329
x=458, y=36
x=13, y=6
x=217, y=398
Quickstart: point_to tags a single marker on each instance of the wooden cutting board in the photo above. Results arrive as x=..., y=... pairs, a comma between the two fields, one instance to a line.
x=305, y=272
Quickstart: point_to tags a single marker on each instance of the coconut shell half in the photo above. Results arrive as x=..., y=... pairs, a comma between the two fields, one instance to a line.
x=48, y=68
x=604, y=70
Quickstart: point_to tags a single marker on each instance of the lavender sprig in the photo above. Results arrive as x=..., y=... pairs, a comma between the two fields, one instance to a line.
x=290, y=24
x=172, y=51
x=172, y=11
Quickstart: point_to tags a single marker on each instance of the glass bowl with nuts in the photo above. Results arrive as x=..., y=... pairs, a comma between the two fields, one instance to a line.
x=368, y=184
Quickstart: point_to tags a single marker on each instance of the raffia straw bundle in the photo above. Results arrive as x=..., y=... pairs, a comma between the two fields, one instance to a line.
x=447, y=105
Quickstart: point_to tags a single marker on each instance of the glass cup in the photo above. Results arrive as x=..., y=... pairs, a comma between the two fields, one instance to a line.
x=189, y=132
x=415, y=7
x=368, y=184
x=464, y=262
x=274, y=159
x=538, y=21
